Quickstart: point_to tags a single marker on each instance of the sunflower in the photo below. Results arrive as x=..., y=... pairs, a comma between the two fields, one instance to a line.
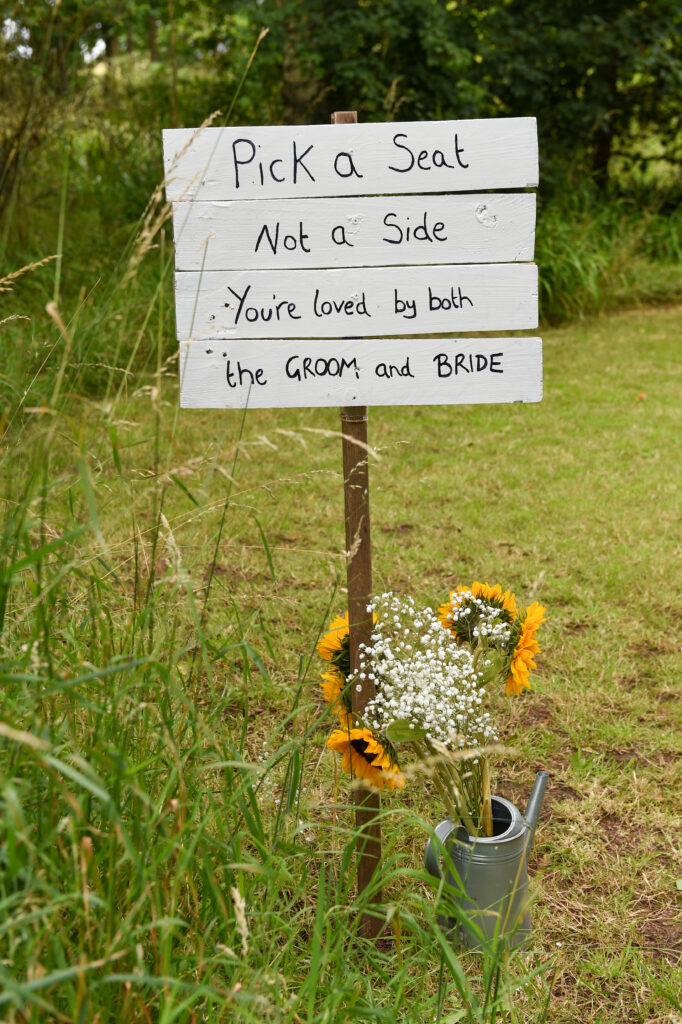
x=366, y=758
x=525, y=649
x=334, y=689
x=494, y=597
x=334, y=646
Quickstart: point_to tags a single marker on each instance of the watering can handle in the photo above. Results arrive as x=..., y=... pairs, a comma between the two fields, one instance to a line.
x=431, y=856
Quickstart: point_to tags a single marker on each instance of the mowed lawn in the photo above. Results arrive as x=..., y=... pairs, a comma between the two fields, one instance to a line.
x=229, y=528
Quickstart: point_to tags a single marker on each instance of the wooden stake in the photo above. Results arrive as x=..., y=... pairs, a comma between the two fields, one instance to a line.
x=359, y=579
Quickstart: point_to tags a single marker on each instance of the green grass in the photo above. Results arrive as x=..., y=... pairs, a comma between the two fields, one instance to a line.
x=600, y=254
x=175, y=841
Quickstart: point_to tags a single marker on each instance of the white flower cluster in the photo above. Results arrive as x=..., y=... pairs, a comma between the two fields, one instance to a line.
x=488, y=625
x=422, y=676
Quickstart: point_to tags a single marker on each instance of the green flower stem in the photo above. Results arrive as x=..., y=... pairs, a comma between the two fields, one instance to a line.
x=460, y=777
x=452, y=809
x=445, y=793
x=487, y=812
x=449, y=785
x=452, y=776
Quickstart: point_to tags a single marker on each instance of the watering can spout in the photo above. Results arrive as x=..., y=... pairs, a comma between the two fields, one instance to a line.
x=534, y=805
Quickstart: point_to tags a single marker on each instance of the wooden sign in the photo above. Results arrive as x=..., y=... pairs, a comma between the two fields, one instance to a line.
x=276, y=234
x=281, y=233
x=355, y=302
x=350, y=159
x=390, y=371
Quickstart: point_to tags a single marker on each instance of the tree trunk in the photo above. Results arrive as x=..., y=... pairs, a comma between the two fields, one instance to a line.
x=605, y=129
x=110, y=42
x=153, y=38
x=299, y=86
x=601, y=156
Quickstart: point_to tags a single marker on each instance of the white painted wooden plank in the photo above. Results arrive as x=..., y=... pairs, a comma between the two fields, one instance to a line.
x=356, y=302
x=414, y=371
x=353, y=159
x=354, y=232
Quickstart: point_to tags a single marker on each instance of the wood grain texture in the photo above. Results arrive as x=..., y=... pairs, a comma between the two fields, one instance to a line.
x=354, y=232
x=356, y=302
x=284, y=373
x=350, y=159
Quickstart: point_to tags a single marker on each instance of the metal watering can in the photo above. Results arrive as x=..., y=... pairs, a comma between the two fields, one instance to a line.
x=491, y=881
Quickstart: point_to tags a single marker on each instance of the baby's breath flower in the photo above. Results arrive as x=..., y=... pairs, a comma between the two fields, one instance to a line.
x=430, y=683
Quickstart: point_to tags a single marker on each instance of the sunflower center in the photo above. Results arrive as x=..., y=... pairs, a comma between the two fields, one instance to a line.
x=360, y=747
x=341, y=657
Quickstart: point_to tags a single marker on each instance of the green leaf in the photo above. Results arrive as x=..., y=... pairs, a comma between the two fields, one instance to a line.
x=90, y=500
x=267, y=549
x=37, y=554
x=401, y=731
x=183, y=487
x=490, y=666
x=90, y=784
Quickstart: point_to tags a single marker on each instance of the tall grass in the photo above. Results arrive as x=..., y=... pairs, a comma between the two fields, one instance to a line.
x=155, y=865
x=598, y=255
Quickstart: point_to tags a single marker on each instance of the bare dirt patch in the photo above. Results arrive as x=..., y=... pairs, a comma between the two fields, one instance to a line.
x=559, y=794
x=233, y=572
x=663, y=937
x=573, y=628
x=537, y=712
x=650, y=649
x=618, y=833
x=400, y=529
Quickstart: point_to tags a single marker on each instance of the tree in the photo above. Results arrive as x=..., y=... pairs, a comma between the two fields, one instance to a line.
x=385, y=58
x=594, y=72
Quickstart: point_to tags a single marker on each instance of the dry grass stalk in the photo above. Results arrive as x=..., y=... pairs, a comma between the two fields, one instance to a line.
x=7, y=283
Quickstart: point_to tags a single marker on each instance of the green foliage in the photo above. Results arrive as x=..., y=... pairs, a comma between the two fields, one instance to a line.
x=399, y=59
x=597, y=255
x=599, y=75
x=402, y=731
x=603, y=78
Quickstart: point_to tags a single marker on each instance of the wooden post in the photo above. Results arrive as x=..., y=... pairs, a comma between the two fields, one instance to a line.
x=359, y=580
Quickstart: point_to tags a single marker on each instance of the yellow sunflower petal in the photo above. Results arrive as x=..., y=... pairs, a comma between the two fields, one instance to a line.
x=443, y=613
x=364, y=757
x=329, y=644
x=333, y=685
x=523, y=658
x=505, y=599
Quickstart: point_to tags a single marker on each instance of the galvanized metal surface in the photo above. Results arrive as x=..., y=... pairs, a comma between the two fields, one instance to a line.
x=486, y=879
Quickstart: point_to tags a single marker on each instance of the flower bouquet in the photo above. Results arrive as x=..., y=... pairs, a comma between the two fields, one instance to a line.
x=430, y=673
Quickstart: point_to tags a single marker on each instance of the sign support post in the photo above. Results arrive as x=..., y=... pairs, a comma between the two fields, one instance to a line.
x=359, y=582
